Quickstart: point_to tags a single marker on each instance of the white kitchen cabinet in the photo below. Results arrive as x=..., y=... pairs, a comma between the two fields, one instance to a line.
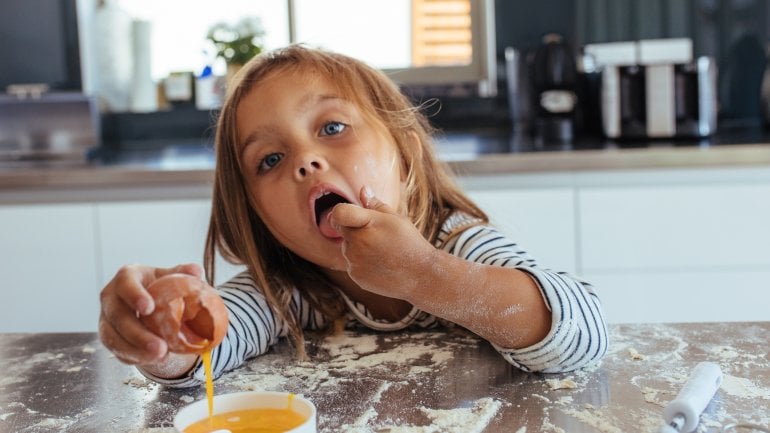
x=48, y=267
x=696, y=295
x=682, y=251
x=675, y=227
x=157, y=233
x=659, y=245
x=678, y=253
x=541, y=221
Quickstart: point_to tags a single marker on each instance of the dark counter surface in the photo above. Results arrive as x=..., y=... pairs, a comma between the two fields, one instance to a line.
x=438, y=381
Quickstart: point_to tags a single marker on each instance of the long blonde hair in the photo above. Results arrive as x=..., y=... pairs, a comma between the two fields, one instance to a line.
x=238, y=234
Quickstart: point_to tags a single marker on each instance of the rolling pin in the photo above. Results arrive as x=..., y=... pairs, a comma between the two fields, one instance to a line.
x=682, y=414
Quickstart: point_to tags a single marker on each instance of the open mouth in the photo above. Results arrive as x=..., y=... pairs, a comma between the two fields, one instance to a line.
x=325, y=203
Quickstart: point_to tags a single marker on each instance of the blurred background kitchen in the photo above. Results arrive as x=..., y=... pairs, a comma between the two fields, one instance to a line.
x=634, y=134
x=491, y=64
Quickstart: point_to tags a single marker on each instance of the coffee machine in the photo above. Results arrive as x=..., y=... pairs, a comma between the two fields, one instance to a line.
x=542, y=93
x=655, y=89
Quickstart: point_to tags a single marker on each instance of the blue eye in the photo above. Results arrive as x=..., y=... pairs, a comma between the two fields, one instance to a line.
x=333, y=128
x=269, y=162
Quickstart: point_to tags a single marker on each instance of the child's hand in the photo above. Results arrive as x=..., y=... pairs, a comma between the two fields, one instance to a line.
x=385, y=252
x=123, y=301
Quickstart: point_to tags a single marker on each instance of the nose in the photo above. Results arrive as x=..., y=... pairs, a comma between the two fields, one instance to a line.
x=308, y=163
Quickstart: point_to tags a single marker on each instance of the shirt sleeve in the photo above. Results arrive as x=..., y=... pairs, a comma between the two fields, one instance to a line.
x=578, y=336
x=253, y=328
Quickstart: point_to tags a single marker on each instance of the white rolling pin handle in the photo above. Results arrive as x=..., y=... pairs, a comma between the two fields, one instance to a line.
x=695, y=395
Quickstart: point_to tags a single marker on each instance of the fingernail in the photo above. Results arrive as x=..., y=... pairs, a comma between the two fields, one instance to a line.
x=331, y=221
x=368, y=194
x=144, y=306
x=154, y=348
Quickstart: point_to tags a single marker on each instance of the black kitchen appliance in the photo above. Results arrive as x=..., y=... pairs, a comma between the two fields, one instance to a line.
x=553, y=93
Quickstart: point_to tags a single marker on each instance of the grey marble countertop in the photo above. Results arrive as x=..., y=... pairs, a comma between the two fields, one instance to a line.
x=468, y=154
x=436, y=381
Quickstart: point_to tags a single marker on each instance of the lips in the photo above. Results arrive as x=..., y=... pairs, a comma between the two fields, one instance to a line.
x=323, y=198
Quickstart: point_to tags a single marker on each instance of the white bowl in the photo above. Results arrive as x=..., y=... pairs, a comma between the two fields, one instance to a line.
x=199, y=410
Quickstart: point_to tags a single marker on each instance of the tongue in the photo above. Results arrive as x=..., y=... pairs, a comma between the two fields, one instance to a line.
x=325, y=225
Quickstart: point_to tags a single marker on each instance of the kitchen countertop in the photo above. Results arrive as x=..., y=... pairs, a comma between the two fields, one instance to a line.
x=467, y=153
x=436, y=381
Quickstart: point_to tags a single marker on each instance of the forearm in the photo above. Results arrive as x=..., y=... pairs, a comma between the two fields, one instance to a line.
x=175, y=366
x=502, y=305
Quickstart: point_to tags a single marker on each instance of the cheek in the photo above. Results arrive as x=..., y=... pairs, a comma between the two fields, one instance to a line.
x=268, y=205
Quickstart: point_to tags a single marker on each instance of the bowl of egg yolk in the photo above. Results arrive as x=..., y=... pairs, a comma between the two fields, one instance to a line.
x=250, y=411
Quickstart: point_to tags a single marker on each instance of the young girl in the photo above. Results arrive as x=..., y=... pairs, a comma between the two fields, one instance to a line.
x=329, y=190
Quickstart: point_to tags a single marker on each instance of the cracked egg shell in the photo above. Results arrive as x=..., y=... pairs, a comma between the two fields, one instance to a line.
x=189, y=314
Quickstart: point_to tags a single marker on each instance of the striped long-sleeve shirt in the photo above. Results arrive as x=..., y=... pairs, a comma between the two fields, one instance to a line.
x=578, y=334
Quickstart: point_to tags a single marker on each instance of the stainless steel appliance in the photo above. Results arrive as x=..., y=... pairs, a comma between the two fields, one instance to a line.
x=47, y=126
x=655, y=89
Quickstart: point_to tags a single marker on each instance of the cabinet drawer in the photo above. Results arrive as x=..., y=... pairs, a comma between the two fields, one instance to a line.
x=675, y=227
x=156, y=233
x=706, y=296
x=542, y=221
x=48, y=268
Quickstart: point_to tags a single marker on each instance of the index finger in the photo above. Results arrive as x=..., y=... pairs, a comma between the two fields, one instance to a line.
x=129, y=284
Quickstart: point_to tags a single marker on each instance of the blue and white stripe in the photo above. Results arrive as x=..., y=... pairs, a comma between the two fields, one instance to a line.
x=578, y=335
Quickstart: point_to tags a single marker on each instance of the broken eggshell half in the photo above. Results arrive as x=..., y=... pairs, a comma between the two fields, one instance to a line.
x=189, y=314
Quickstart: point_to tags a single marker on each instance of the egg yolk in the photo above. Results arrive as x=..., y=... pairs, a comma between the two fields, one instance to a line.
x=244, y=421
x=250, y=421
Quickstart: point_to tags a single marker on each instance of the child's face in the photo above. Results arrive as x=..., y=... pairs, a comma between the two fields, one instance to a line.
x=301, y=141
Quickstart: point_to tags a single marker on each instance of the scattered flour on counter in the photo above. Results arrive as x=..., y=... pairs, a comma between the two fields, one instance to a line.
x=348, y=353
x=370, y=414
x=361, y=423
x=548, y=426
x=138, y=382
x=591, y=418
x=260, y=381
x=604, y=421
x=566, y=383
x=633, y=354
x=88, y=349
x=651, y=396
x=407, y=352
x=350, y=345
x=724, y=352
x=187, y=398
x=59, y=424
x=743, y=388
x=465, y=420
x=461, y=420
x=155, y=430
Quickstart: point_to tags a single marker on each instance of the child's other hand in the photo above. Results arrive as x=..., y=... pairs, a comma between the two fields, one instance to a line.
x=385, y=252
x=123, y=300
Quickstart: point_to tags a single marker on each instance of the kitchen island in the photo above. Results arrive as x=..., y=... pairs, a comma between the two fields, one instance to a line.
x=446, y=380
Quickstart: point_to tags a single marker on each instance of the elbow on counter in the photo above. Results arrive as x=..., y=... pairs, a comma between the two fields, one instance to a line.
x=578, y=337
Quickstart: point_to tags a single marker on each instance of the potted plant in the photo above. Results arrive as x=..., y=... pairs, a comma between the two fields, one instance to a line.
x=237, y=43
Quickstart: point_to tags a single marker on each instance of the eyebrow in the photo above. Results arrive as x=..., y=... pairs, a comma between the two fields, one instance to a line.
x=304, y=105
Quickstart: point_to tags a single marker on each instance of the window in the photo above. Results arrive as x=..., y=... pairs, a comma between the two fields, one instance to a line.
x=418, y=42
